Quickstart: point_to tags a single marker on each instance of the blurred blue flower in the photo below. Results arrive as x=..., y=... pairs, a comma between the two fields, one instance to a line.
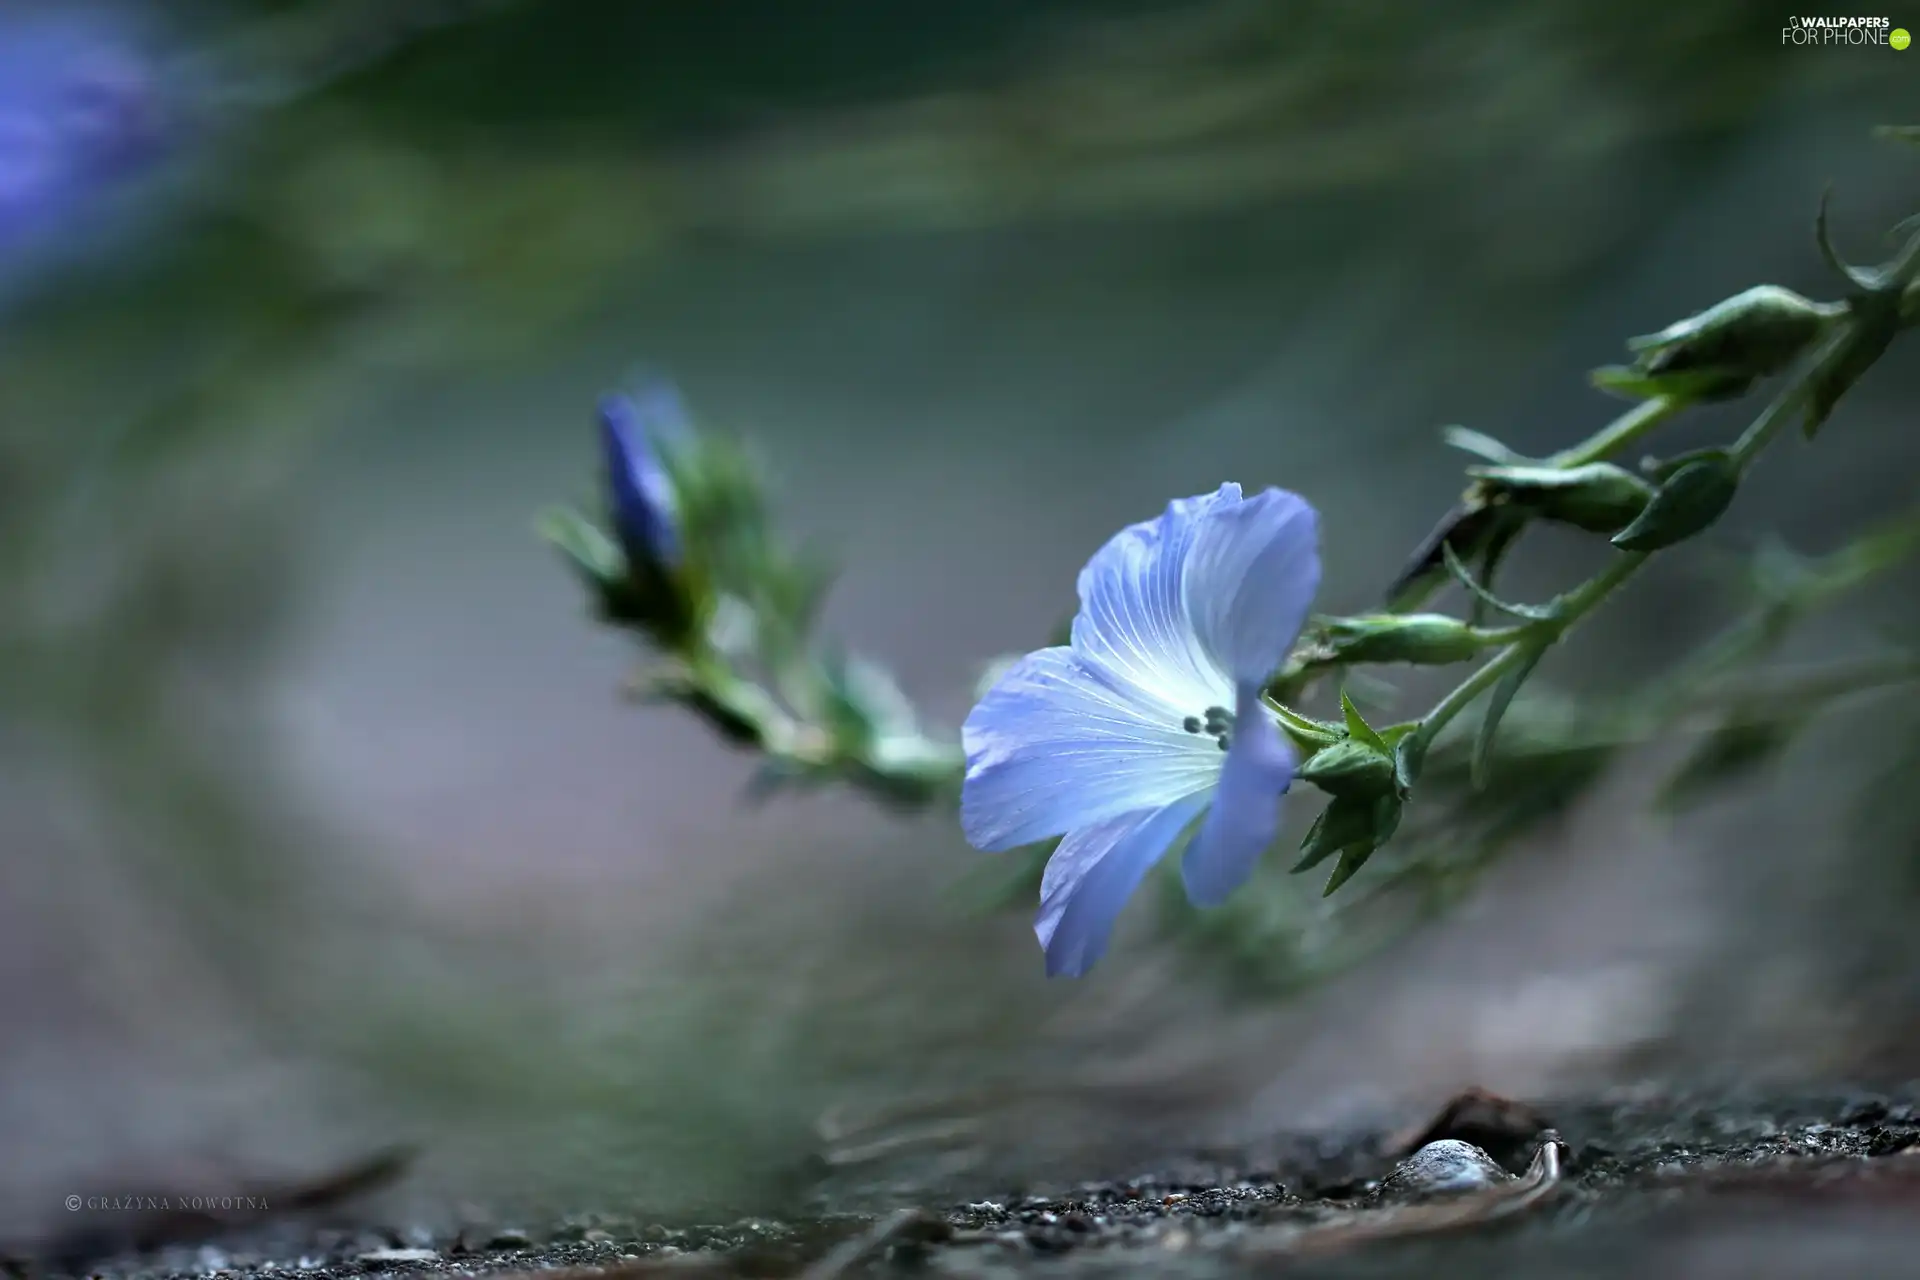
x=633, y=430
x=1151, y=716
x=80, y=111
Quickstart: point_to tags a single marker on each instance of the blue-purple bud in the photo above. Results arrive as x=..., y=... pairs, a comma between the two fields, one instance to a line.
x=639, y=490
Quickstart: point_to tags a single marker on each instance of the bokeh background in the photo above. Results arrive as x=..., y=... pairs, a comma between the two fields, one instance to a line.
x=323, y=824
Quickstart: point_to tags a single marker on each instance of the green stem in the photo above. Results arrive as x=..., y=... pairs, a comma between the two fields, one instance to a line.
x=1467, y=690
x=1491, y=636
x=1765, y=427
x=1575, y=605
x=1571, y=608
x=1583, y=599
x=1619, y=433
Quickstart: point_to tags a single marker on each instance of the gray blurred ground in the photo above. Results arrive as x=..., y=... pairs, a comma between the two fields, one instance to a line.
x=365, y=847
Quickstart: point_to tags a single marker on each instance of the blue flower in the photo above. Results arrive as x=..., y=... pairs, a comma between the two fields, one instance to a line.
x=79, y=112
x=1151, y=717
x=633, y=429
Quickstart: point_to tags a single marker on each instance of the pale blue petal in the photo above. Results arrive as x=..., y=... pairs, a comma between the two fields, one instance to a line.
x=1245, y=816
x=1091, y=876
x=1252, y=571
x=1057, y=744
x=1133, y=620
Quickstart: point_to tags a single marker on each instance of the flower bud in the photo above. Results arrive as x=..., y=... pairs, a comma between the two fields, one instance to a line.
x=641, y=500
x=1724, y=349
x=1428, y=639
x=1688, y=501
x=1350, y=768
x=1599, y=497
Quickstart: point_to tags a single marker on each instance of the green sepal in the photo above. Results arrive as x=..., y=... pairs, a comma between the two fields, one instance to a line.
x=1692, y=498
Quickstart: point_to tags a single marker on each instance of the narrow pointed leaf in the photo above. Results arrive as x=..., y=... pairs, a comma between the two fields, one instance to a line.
x=1350, y=862
x=1859, y=277
x=583, y=542
x=1357, y=727
x=1316, y=847
x=1634, y=384
x=1480, y=445
x=1464, y=576
x=1497, y=703
x=1492, y=556
x=1691, y=499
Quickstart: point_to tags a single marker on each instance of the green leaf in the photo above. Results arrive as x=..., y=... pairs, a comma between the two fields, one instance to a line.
x=1492, y=555
x=1469, y=528
x=1349, y=825
x=1383, y=820
x=1662, y=470
x=1533, y=612
x=583, y=542
x=1322, y=840
x=1861, y=279
x=1350, y=862
x=1635, y=384
x=1480, y=445
x=1308, y=732
x=1691, y=500
x=1497, y=703
x=1357, y=727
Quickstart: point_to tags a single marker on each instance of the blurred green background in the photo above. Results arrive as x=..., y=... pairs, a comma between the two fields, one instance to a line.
x=324, y=824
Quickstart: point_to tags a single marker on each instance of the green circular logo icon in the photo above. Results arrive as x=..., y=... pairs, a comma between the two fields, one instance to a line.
x=1899, y=38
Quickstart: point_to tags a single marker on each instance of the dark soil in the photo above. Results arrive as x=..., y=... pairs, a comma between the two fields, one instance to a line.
x=1647, y=1188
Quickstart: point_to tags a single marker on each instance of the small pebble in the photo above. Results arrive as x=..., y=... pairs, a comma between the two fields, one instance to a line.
x=1444, y=1168
x=398, y=1255
x=512, y=1238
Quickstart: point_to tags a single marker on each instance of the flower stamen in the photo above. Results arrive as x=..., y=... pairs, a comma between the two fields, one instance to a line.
x=1216, y=723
